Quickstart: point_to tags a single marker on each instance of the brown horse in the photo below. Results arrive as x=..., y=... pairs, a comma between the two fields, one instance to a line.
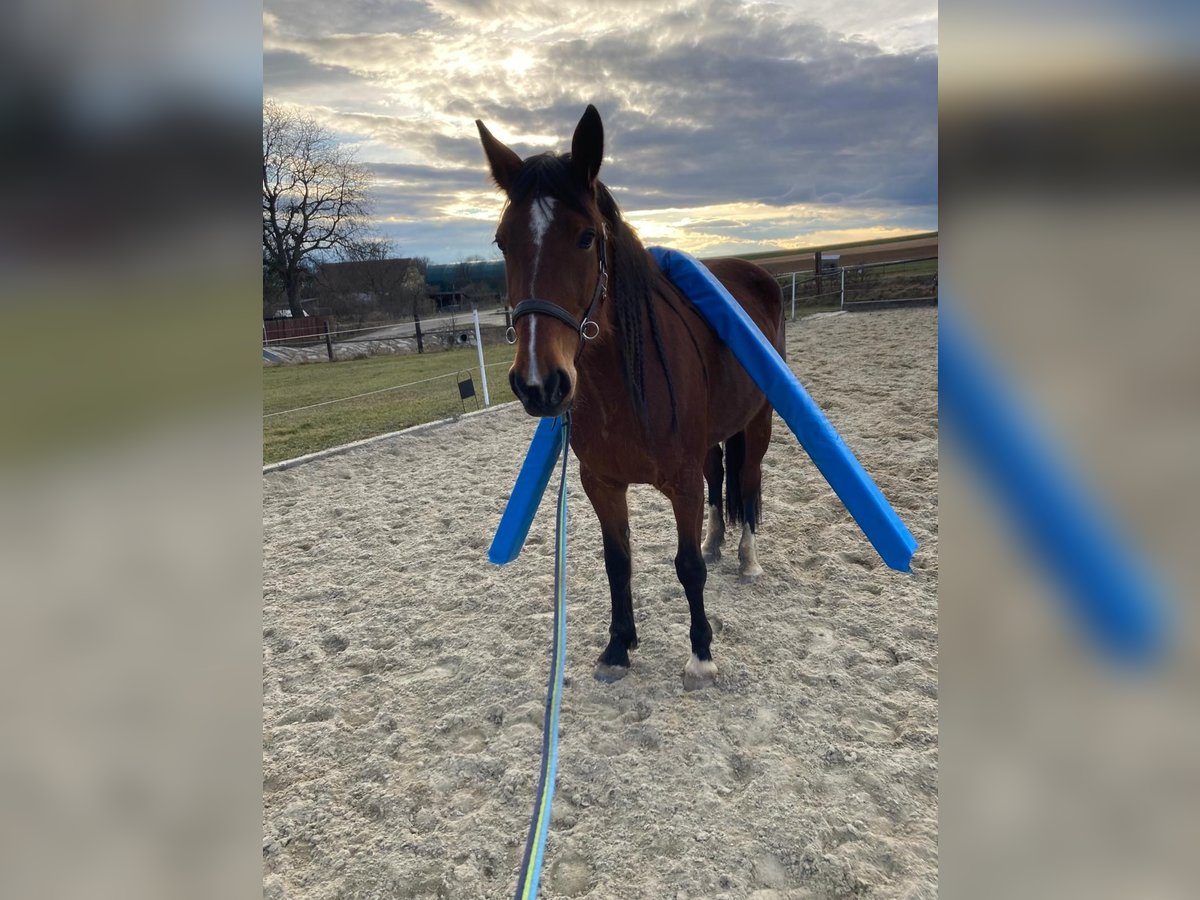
x=653, y=393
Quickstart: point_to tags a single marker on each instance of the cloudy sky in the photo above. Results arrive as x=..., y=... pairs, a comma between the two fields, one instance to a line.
x=730, y=125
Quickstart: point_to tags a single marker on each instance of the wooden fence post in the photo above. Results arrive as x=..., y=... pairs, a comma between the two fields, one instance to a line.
x=328, y=341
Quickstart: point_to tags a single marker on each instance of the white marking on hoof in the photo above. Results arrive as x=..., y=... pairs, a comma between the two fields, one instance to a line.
x=716, y=535
x=699, y=673
x=751, y=571
x=608, y=674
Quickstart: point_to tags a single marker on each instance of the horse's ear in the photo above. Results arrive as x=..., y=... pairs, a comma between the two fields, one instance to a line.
x=503, y=161
x=587, y=147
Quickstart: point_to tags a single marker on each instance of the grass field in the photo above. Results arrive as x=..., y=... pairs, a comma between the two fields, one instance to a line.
x=919, y=267
x=296, y=433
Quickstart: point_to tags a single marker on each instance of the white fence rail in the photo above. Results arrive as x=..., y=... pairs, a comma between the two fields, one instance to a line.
x=866, y=286
x=383, y=331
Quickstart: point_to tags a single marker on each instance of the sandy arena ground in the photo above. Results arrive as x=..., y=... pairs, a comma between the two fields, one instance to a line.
x=404, y=676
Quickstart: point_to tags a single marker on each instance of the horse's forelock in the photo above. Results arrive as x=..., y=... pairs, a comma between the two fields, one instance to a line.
x=549, y=175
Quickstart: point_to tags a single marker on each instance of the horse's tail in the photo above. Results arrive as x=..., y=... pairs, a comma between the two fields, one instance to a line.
x=735, y=462
x=743, y=505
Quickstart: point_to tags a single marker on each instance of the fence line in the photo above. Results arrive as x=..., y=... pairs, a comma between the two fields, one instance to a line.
x=880, y=287
x=810, y=275
x=860, y=285
x=426, y=325
x=321, y=334
x=395, y=387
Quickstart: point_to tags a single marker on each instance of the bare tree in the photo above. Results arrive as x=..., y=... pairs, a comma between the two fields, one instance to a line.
x=369, y=249
x=416, y=290
x=273, y=293
x=460, y=275
x=314, y=195
x=379, y=271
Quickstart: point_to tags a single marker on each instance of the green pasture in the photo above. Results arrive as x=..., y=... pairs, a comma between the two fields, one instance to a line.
x=288, y=387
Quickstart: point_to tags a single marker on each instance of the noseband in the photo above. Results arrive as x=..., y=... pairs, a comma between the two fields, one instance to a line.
x=588, y=328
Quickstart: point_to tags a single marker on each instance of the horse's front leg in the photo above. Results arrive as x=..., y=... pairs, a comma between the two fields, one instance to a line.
x=609, y=502
x=687, y=500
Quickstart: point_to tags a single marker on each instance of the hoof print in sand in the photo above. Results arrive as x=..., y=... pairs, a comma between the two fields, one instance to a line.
x=571, y=876
x=609, y=674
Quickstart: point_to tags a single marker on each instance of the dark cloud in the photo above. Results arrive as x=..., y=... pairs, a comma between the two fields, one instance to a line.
x=286, y=70
x=317, y=18
x=732, y=118
x=711, y=102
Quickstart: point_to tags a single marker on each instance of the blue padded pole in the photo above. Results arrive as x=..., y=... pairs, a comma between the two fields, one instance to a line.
x=824, y=445
x=527, y=492
x=1102, y=579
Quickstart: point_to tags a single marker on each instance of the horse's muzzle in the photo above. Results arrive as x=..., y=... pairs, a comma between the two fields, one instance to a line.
x=549, y=397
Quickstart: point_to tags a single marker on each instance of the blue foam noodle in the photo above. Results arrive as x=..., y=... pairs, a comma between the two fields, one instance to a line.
x=1112, y=591
x=522, y=505
x=862, y=498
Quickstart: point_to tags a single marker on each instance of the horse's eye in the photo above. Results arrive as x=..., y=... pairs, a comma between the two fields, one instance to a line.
x=499, y=244
x=585, y=239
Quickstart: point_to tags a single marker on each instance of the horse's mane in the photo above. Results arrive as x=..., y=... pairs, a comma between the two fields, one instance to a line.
x=633, y=276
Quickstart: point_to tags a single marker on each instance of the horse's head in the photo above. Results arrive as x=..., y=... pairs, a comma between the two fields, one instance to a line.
x=553, y=238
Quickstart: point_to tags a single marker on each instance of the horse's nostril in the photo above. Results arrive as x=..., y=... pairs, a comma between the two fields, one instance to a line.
x=558, y=385
x=541, y=397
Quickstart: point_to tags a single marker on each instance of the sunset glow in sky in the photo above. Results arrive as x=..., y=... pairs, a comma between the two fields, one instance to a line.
x=730, y=126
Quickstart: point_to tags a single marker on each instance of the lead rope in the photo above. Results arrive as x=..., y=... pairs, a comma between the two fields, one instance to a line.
x=539, y=824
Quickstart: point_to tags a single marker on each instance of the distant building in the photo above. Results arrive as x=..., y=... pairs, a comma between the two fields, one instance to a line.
x=362, y=279
x=454, y=286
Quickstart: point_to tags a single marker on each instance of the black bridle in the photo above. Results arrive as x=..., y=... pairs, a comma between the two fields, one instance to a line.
x=588, y=328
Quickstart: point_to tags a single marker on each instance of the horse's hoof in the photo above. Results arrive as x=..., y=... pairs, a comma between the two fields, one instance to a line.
x=608, y=674
x=713, y=555
x=749, y=576
x=699, y=674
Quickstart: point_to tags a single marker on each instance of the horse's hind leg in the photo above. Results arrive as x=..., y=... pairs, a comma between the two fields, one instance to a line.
x=687, y=500
x=714, y=474
x=609, y=502
x=758, y=438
